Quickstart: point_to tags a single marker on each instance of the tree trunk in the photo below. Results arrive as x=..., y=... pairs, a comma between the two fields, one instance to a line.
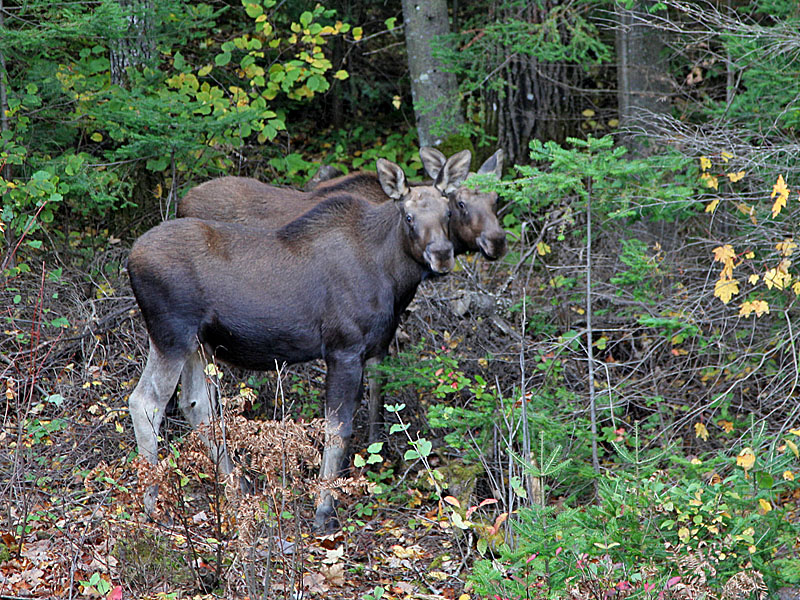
x=6, y=172
x=434, y=91
x=537, y=100
x=643, y=85
x=135, y=47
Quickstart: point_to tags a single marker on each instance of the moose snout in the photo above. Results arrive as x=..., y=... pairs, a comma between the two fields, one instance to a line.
x=439, y=256
x=493, y=244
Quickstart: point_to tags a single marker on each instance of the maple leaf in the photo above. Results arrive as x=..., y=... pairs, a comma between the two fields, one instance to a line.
x=753, y=279
x=712, y=206
x=727, y=426
x=782, y=192
x=777, y=278
x=724, y=253
x=796, y=288
x=760, y=307
x=786, y=247
x=788, y=476
x=725, y=289
x=734, y=177
x=701, y=431
x=710, y=181
x=746, y=459
x=765, y=505
x=705, y=163
x=726, y=156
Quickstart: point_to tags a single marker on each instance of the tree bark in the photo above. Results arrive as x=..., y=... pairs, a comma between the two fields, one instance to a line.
x=434, y=91
x=135, y=47
x=3, y=91
x=537, y=101
x=643, y=85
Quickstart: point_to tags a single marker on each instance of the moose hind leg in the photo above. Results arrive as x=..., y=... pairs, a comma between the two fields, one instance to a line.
x=374, y=384
x=198, y=402
x=147, y=405
x=343, y=389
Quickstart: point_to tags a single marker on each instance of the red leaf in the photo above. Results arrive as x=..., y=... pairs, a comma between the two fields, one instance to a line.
x=116, y=593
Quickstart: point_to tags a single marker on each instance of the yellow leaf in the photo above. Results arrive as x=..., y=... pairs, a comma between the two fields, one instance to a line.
x=341, y=74
x=712, y=206
x=705, y=163
x=753, y=279
x=793, y=448
x=788, y=476
x=358, y=32
x=701, y=431
x=724, y=253
x=765, y=505
x=542, y=248
x=726, y=156
x=727, y=426
x=396, y=102
x=97, y=137
x=760, y=307
x=795, y=432
x=204, y=71
x=588, y=113
x=782, y=192
x=746, y=459
x=683, y=534
x=786, y=247
x=750, y=254
x=777, y=278
x=725, y=289
x=118, y=427
x=710, y=181
x=734, y=177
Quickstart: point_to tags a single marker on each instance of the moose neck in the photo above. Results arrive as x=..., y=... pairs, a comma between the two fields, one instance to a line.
x=385, y=231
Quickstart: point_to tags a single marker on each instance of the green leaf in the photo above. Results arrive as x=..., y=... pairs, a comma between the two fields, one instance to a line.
x=375, y=448
x=482, y=546
x=60, y=322
x=765, y=480
x=222, y=59
x=411, y=455
x=306, y=18
x=424, y=447
x=253, y=10
x=390, y=23
x=178, y=62
x=359, y=461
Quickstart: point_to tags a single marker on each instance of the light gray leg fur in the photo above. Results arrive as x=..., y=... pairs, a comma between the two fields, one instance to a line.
x=198, y=402
x=374, y=383
x=147, y=404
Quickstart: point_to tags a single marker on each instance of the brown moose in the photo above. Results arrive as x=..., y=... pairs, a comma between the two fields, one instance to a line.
x=331, y=284
x=473, y=216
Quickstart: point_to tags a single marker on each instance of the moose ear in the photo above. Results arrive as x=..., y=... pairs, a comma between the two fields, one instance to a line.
x=432, y=160
x=454, y=172
x=392, y=178
x=493, y=164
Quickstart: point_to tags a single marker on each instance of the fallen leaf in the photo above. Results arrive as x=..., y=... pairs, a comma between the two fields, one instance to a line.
x=334, y=574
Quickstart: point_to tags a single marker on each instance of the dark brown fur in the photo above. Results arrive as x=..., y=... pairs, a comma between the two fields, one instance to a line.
x=331, y=284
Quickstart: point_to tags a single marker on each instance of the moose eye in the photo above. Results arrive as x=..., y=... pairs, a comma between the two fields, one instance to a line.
x=462, y=205
x=409, y=219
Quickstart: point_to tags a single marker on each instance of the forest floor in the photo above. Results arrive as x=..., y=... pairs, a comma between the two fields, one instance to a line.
x=73, y=521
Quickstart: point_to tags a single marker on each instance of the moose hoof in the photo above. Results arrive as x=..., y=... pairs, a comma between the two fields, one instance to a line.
x=325, y=521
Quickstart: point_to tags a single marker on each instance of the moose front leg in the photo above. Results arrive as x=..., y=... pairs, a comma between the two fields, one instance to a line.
x=343, y=389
